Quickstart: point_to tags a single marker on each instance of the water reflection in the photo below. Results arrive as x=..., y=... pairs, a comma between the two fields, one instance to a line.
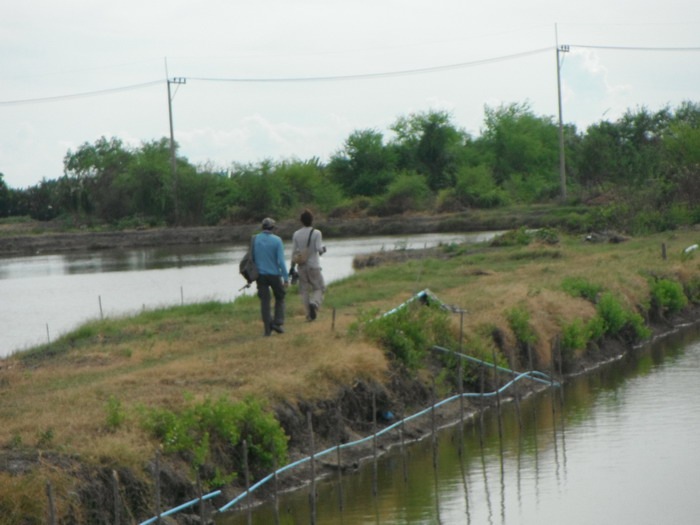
x=621, y=445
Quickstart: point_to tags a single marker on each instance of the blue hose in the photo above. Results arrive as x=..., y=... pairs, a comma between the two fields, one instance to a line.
x=534, y=375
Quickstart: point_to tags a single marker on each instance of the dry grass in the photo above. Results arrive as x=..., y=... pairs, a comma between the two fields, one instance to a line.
x=68, y=395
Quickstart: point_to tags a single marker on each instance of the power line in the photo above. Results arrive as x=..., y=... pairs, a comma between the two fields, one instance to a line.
x=386, y=74
x=79, y=95
x=336, y=78
x=633, y=48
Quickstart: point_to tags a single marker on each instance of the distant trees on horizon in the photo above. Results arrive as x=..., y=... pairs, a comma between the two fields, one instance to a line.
x=642, y=171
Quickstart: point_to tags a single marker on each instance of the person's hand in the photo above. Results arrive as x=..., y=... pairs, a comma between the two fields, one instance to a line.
x=286, y=284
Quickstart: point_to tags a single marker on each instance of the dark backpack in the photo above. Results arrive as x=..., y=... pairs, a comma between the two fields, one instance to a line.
x=247, y=267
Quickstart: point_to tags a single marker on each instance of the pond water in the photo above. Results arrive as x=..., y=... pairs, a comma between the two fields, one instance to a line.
x=620, y=445
x=44, y=296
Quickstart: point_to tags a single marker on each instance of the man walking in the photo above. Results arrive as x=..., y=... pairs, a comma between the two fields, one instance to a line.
x=307, y=246
x=269, y=258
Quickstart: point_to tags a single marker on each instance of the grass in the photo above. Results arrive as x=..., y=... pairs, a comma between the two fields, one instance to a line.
x=80, y=395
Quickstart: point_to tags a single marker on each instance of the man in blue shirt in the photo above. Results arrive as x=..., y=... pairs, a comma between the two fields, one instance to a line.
x=269, y=258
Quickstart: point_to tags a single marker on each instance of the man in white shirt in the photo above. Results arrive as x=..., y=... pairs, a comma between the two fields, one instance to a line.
x=309, y=242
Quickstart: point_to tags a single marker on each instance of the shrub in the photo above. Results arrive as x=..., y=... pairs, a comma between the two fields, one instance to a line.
x=200, y=428
x=580, y=287
x=574, y=336
x=407, y=192
x=519, y=237
x=612, y=313
x=667, y=296
x=692, y=289
x=519, y=322
x=546, y=236
x=476, y=188
x=595, y=328
x=616, y=321
x=115, y=413
x=410, y=331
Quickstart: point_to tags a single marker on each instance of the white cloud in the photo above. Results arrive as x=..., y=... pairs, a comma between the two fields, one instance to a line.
x=74, y=46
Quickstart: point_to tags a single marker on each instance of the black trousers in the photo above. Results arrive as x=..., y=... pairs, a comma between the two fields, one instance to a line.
x=265, y=284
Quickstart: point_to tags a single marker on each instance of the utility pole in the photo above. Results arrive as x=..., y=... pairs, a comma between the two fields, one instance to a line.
x=562, y=160
x=173, y=159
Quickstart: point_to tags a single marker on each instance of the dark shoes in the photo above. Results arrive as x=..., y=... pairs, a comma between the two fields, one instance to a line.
x=312, y=312
x=277, y=328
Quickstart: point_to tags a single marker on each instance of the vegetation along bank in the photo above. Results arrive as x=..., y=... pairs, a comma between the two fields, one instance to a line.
x=93, y=416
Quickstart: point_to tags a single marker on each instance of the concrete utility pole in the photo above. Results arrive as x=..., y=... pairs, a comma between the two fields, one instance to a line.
x=562, y=160
x=173, y=160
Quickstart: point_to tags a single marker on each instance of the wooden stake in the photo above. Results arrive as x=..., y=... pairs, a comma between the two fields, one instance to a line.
x=374, y=445
x=115, y=498
x=498, y=398
x=157, y=475
x=52, y=507
x=460, y=388
x=312, y=495
x=338, y=458
x=275, y=495
x=246, y=470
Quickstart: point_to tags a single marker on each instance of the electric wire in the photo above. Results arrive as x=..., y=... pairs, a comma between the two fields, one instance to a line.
x=386, y=74
x=636, y=48
x=85, y=94
x=340, y=78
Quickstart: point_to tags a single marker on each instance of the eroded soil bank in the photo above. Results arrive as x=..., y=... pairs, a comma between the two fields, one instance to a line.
x=33, y=238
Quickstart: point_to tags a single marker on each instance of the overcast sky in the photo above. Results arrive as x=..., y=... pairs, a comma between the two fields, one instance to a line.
x=72, y=71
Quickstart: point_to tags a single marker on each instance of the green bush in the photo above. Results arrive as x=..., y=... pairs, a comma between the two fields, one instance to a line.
x=580, y=287
x=595, y=328
x=638, y=330
x=667, y=296
x=407, y=192
x=692, y=289
x=476, y=188
x=574, y=336
x=546, y=236
x=202, y=428
x=612, y=313
x=410, y=331
x=519, y=322
x=616, y=321
x=115, y=413
x=519, y=237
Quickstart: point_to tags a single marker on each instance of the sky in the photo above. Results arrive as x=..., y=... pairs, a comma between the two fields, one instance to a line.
x=292, y=79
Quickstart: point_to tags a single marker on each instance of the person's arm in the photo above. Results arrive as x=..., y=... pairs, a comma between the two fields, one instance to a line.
x=318, y=245
x=281, y=263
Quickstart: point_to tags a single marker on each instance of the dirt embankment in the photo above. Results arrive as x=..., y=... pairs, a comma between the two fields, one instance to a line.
x=36, y=238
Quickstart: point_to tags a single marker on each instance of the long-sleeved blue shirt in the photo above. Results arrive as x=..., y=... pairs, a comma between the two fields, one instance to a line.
x=269, y=255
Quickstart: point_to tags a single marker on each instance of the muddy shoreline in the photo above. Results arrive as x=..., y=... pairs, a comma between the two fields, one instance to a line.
x=38, y=239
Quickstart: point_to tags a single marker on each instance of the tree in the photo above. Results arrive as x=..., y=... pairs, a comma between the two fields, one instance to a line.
x=408, y=192
x=308, y=185
x=4, y=197
x=90, y=175
x=429, y=144
x=364, y=166
x=475, y=188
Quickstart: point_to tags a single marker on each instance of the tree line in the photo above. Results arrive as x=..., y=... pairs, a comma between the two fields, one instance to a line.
x=641, y=172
